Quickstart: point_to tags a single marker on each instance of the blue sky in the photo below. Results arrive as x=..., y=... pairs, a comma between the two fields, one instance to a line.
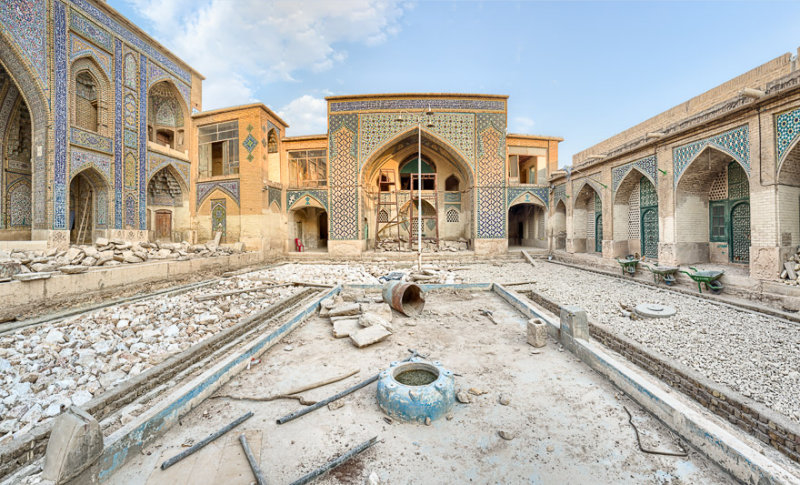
x=580, y=70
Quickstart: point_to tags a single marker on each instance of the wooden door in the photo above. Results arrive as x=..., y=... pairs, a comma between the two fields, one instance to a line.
x=163, y=225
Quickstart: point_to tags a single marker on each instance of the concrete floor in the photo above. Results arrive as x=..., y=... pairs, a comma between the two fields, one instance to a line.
x=569, y=422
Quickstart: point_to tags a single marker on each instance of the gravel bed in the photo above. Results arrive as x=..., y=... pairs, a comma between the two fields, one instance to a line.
x=47, y=368
x=754, y=355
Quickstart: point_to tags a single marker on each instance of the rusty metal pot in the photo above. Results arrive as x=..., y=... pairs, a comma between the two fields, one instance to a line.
x=404, y=297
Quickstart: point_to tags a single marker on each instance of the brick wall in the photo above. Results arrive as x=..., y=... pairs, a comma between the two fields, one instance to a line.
x=748, y=415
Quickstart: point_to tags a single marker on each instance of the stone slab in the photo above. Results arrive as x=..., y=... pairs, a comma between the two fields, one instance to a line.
x=32, y=276
x=345, y=328
x=370, y=335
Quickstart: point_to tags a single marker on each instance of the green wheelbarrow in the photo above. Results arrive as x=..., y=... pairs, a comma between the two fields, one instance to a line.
x=628, y=265
x=709, y=278
x=663, y=273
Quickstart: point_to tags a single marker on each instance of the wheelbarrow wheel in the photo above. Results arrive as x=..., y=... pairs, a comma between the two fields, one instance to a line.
x=715, y=287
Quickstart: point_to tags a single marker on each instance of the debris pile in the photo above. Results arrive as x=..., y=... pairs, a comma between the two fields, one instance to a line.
x=46, y=369
x=791, y=269
x=366, y=320
x=104, y=252
x=401, y=245
x=361, y=274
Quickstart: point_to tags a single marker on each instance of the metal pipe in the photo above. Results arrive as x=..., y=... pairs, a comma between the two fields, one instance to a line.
x=252, y=460
x=334, y=463
x=208, y=439
x=325, y=402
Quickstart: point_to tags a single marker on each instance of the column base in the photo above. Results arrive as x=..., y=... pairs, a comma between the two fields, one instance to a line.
x=346, y=248
x=491, y=247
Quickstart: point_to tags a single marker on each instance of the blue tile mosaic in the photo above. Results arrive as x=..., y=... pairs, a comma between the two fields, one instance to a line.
x=143, y=159
x=408, y=104
x=118, y=134
x=26, y=23
x=80, y=48
x=91, y=31
x=81, y=159
x=60, y=112
x=647, y=166
x=90, y=140
x=293, y=196
x=157, y=161
x=109, y=23
x=735, y=142
x=787, y=129
x=230, y=187
x=528, y=195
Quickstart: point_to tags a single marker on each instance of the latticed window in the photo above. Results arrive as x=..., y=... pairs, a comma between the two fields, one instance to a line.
x=719, y=187
x=452, y=215
x=633, y=214
x=648, y=197
x=383, y=216
x=738, y=186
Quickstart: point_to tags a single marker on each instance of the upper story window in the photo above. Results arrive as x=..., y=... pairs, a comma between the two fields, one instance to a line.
x=165, y=120
x=272, y=142
x=218, y=146
x=308, y=168
x=86, y=102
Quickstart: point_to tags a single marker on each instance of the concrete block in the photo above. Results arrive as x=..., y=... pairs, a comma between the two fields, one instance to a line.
x=10, y=268
x=574, y=325
x=345, y=309
x=345, y=328
x=75, y=444
x=537, y=332
x=370, y=319
x=370, y=335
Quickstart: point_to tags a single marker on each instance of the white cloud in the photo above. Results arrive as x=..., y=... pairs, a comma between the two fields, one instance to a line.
x=240, y=44
x=521, y=124
x=306, y=115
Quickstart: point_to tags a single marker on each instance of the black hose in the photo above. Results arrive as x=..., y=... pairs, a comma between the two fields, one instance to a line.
x=653, y=452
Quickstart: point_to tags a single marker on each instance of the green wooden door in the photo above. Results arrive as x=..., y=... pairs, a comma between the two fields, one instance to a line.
x=740, y=233
x=648, y=208
x=598, y=233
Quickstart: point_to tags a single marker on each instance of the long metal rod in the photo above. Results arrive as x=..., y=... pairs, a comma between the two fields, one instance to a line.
x=208, y=439
x=325, y=402
x=252, y=460
x=334, y=463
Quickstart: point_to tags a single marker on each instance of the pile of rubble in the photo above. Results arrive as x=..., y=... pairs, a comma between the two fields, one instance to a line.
x=791, y=269
x=27, y=265
x=361, y=274
x=366, y=320
x=401, y=245
x=46, y=369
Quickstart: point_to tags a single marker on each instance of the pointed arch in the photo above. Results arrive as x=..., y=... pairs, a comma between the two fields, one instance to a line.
x=368, y=168
x=583, y=183
x=27, y=84
x=304, y=200
x=527, y=197
x=91, y=91
x=712, y=147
